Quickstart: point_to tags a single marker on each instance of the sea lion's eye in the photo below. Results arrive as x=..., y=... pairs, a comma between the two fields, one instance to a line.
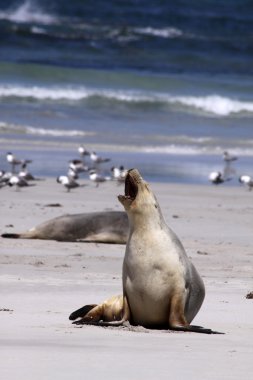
x=155, y=205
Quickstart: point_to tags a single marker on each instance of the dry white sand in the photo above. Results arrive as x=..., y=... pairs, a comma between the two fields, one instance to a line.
x=42, y=282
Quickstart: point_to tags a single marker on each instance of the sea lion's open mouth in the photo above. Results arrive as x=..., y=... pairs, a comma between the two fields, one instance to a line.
x=131, y=189
x=132, y=181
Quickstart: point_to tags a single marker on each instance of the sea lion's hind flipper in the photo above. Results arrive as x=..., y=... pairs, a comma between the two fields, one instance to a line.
x=11, y=236
x=80, y=313
x=196, y=329
x=112, y=312
x=99, y=322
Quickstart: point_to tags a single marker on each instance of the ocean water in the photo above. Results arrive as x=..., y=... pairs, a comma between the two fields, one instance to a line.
x=159, y=85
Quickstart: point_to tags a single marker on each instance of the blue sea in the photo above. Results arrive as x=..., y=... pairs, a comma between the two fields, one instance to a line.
x=164, y=86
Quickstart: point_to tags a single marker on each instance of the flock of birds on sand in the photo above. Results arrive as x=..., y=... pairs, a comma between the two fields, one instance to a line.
x=22, y=177
x=78, y=166
x=228, y=172
x=19, y=176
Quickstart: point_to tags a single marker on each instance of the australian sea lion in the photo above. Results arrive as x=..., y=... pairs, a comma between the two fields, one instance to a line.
x=161, y=287
x=102, y=227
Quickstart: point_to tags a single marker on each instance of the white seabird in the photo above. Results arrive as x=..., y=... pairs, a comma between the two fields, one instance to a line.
x=228, y=158
x=97, y=178
x=82, y=151
x=15, y=161
x=67, y=182
x=18, y=182
x=72, y=173
x=119, y=174
x=24, y=173
x=78, y=166
x=246, y=180
x=97, y=159
x=4, y=177
x=216, y=178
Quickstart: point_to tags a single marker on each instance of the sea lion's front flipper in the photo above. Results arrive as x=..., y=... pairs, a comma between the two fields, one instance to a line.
x=196, y=329
x=177, y=319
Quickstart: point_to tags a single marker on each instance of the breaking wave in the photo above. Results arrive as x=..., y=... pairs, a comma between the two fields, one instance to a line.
x=211, y=104
x=215, y=104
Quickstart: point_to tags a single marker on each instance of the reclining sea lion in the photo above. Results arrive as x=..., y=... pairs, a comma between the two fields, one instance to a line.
x=101, y=227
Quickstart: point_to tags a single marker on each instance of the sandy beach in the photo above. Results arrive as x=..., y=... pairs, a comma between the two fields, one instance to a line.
x=42, y=282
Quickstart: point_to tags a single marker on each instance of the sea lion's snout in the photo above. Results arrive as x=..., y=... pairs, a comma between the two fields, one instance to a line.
x=131, y=187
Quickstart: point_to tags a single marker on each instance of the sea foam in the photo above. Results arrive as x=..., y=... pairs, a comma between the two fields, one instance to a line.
x=163, y=32
x=43, y=93
x=27, y=12
x=57, y=132
x=30, y=130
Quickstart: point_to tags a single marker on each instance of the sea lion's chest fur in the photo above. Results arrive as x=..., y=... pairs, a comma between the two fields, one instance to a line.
x=153, y=268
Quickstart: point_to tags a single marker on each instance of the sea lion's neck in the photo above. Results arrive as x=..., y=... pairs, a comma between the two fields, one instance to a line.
x=143, y=222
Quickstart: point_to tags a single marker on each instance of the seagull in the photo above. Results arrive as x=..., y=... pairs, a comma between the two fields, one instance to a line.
x=98, y=178
x=119, y=174
x=72, y=173
x=67, y=182
x=5, y=176
x=228, y=171
x=78, y=166
x=247, y=181
x=216, y=178
x=15, y=161
x=12, y=159
x=82, y=151
x=25, y=174
x=97, y=159
x=18, y=182
x=228, y=158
